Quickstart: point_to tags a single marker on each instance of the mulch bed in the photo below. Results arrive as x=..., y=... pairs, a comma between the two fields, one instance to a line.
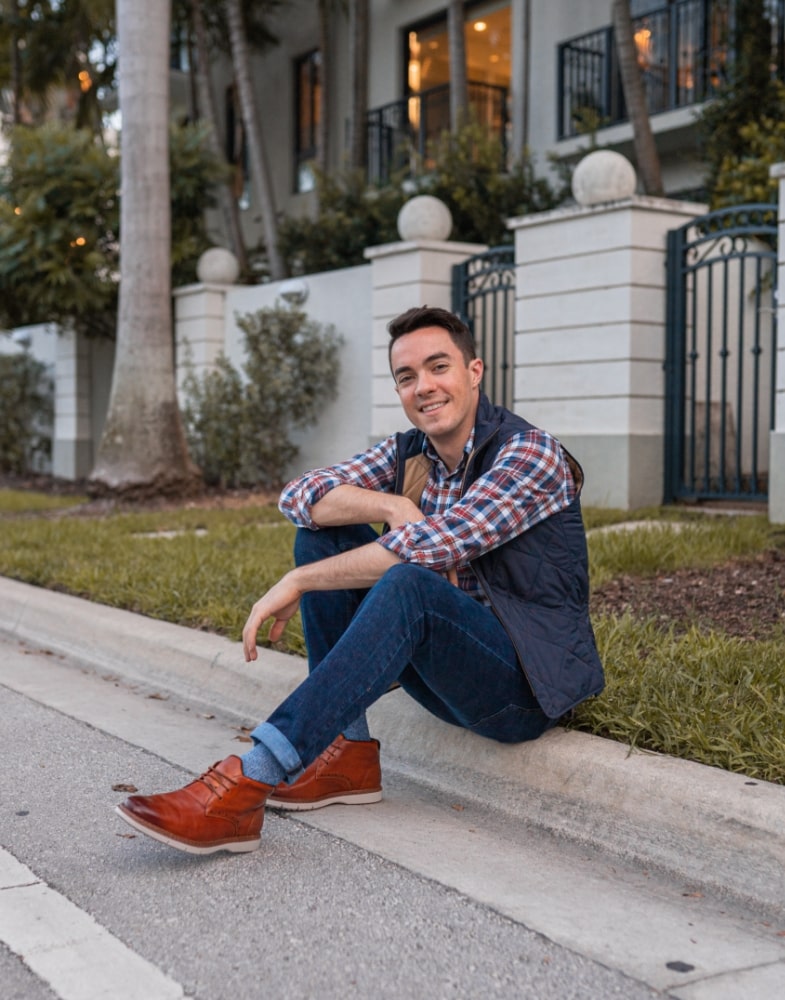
x=743, y=598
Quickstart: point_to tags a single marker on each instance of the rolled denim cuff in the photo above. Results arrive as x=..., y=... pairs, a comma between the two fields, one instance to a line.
x=283, y=751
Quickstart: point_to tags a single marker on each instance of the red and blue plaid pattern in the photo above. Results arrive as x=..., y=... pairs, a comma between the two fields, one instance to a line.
x=529, y=481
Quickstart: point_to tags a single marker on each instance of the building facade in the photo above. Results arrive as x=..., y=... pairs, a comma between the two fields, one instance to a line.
x=543, y=75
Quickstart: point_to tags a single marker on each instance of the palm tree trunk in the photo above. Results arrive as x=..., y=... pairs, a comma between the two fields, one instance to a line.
x=260, y=171
x=227, y=202
x=143, y=450
x=358, y=62
x=646, y=154
x=322, y=131
x=459, y=91
x=16, y=62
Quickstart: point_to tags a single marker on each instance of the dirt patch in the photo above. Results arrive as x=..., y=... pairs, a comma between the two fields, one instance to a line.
x=211, y=498
x=743, y=597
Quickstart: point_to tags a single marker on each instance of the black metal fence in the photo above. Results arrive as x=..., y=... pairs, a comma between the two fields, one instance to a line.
x=483, y=295
x=400, y=134
x=684, y=52
x=721, y=355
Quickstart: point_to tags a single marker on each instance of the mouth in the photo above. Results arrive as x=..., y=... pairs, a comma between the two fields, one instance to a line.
x=432, y=407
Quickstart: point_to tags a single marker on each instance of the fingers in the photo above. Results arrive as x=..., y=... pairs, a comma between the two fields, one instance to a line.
x=452, y=576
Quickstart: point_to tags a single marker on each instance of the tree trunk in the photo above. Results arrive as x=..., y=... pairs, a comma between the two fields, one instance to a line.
x=459, y=91
x=646, y=154
x=143, y=450
x=230, y=215
x=358, y=63
x=322, y=130
x=260, y=172
x=16, y=62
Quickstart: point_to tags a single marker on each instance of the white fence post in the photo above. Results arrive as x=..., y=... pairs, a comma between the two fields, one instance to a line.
x=411, y=273
x=590, y=338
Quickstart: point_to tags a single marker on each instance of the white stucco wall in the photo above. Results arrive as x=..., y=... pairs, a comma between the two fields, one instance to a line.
x=341, y=298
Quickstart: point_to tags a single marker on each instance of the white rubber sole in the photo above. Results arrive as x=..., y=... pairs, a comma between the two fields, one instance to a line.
x=234, y=846
x=360, y=799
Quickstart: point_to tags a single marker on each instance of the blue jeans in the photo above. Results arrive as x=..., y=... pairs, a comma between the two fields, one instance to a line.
x=447, y=651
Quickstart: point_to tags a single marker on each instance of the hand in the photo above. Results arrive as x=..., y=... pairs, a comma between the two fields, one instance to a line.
x=281, y=603
x=452, y=576
x=402, y=511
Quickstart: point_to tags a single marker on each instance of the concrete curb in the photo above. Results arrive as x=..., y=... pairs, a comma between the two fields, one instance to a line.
x=701, y=824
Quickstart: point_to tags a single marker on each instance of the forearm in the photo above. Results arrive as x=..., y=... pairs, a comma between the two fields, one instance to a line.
x=357, y=568
x=354, y=505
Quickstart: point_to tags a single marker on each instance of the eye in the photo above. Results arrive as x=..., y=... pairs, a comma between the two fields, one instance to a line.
x=404, y=380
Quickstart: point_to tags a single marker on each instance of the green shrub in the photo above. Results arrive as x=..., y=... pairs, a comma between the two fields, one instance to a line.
x=60, y=223
x=239, y=429
x=352, y=216
x=26, y=410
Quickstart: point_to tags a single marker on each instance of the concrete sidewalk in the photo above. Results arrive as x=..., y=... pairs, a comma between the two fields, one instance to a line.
x=705, y=826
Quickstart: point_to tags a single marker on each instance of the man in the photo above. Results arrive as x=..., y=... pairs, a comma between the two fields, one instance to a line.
x=474, y=599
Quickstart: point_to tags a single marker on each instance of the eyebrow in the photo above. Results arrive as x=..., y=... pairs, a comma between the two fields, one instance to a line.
x=431, y=357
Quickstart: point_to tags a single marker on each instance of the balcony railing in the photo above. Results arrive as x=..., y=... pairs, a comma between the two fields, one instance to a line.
x=683, y=50
x=400, y=134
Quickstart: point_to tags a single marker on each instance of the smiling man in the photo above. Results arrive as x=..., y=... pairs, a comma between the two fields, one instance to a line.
x=474, y=599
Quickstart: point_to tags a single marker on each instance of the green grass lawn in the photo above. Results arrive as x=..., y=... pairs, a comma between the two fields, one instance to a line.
x=699, y=694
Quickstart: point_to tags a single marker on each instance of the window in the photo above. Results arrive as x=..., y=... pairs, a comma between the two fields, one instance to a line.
x=487, y=39
x=427, y=85
x=307, y=100
x=682, y=51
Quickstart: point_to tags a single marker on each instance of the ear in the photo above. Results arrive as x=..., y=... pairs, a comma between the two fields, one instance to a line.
x=476, y=367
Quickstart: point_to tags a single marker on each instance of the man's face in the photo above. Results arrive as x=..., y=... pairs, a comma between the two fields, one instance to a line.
x=439, y=391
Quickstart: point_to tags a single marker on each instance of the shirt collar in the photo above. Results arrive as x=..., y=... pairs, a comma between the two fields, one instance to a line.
x=431, y=453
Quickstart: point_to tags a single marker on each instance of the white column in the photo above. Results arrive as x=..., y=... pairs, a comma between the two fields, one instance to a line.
x=590, y=338
x=403, y=275
x=200, y=328
x=72, y=445
x=777, y=439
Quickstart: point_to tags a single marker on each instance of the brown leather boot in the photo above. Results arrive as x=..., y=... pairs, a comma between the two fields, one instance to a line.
x=221, y=811
x=348, y=771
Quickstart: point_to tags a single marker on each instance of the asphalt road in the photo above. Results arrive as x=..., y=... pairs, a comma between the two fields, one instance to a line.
x=416, y=897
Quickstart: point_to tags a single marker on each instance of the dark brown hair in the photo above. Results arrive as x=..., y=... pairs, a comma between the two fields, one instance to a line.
x=420, y=317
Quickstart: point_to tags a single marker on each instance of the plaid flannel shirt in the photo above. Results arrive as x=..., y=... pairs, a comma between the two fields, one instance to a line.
x=529, y=481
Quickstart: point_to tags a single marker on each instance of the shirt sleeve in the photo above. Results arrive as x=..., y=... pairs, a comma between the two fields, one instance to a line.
x=371, y=470
x=529, y=481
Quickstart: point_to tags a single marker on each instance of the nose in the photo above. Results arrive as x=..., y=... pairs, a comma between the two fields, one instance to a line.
x=424, y=383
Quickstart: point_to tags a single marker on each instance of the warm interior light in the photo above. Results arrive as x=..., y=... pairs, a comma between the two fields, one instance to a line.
x=17, y=210
x=643, y=45
x=480, y=25
x=85, y=80
x=78, y=242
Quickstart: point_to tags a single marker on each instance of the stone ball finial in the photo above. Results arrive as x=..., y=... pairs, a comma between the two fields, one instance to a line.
x=424, y=218
x=603, y=175
x=217, y=266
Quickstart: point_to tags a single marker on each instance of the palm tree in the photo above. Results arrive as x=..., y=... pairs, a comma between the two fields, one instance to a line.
x=143, y=450
x=226, y=199
x=260, y=171
x=459, y=91
x=646, y=154
x=358, y=62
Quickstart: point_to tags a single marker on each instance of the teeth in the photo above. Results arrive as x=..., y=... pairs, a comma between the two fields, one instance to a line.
x=432, y=407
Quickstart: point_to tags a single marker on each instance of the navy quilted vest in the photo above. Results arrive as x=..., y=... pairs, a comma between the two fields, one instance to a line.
x=537, y=583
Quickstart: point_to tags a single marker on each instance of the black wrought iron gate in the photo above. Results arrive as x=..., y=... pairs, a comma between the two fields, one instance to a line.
x=483, y=295
x=720, y=355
